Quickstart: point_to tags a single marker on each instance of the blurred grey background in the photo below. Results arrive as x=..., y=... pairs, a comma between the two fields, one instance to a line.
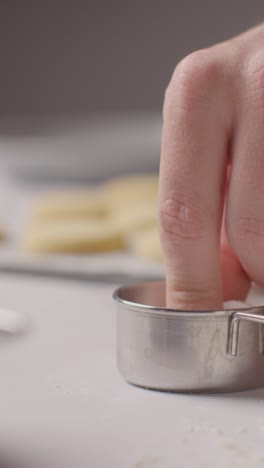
x=82, y=82
x=80, y=56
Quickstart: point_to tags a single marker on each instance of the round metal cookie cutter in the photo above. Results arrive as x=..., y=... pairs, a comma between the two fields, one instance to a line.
x=187, y=351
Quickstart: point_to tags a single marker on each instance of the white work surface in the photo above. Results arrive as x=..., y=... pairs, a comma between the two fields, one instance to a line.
x=62, y=401
x=64, y=405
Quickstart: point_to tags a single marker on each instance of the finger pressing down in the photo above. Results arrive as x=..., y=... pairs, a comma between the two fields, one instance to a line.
x=192, y=178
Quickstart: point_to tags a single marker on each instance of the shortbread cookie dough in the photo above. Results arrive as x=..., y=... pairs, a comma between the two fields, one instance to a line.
x=135, y=218
x=72, y=236
x=234, y=304
x=130, y=182
x=146, y=244
x=71, y=204
x=130, y=190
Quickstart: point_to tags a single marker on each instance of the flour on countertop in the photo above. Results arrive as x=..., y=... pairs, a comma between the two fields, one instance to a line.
x=12, y=322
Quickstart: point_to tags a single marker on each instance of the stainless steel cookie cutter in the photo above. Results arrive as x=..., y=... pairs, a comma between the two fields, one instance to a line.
x=187, y=351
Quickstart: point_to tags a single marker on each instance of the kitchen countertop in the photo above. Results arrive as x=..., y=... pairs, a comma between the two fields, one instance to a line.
x=64, y=405
x=62, y=401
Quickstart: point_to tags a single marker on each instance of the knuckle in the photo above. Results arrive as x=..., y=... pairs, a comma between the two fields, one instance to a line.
x=201, y=66
x=192, y=80
x=181, y=220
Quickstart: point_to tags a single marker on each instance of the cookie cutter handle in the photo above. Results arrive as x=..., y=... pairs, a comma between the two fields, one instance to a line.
x=254, y=315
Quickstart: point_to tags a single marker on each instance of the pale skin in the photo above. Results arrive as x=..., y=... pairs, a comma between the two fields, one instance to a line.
x=211, y=202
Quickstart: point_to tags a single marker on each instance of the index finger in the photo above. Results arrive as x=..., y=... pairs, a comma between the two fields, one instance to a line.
x=192, y=176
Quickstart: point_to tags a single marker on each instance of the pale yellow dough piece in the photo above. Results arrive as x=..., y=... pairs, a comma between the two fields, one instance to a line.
x=72, y=236
x=128, y=182
x=71, y=204
x=136, y=218
x=126, y=191
x=146, y=244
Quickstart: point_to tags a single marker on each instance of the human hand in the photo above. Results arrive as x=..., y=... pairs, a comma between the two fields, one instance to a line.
x=212, y=174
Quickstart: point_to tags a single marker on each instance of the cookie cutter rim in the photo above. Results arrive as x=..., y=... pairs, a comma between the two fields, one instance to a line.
x=250, y=314
x=233, y=316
